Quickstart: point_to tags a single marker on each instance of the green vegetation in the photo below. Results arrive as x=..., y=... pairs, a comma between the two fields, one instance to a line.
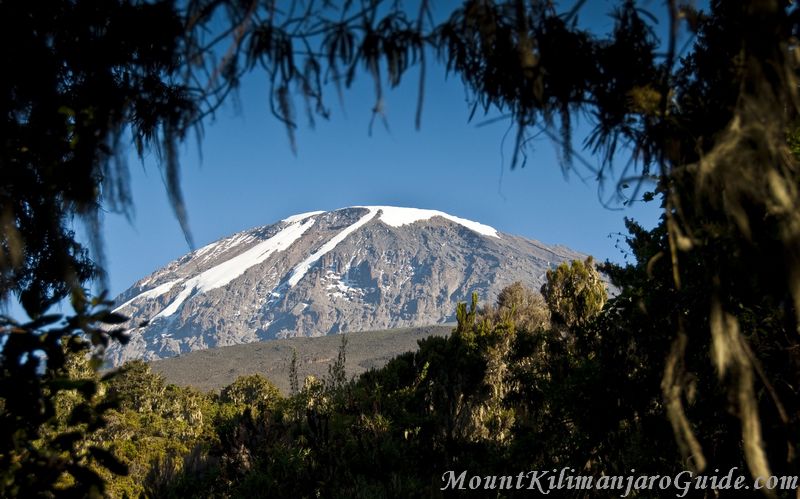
x=51, y=403
x=254, y=391
x=574, y=293
x=509, y=390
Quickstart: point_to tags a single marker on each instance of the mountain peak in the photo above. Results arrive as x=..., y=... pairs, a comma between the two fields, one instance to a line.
x=397, y=216
x=317, y=273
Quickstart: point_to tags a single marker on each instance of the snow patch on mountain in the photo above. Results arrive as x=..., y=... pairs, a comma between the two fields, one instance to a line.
x=301, y=216
x=397, y=217
x=300, y=271
x=222, y=274
x=211, y=250
x=150, y=293
x=340, y=286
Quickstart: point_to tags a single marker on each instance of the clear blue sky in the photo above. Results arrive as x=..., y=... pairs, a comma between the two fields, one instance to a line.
x=248, y=175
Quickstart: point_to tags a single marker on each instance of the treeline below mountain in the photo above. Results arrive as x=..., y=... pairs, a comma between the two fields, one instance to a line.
x=489, y=397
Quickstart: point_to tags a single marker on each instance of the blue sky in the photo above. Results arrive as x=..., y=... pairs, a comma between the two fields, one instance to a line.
x=248, y=175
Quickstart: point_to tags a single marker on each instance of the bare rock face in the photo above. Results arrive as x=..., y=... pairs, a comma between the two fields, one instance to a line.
x=320, y=273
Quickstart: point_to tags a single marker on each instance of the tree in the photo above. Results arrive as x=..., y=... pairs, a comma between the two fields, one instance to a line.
x=522, y=306
x=137, y=387
x=574, y=293
x=49, y=405
x=78, y=77
x=154, y=428
x=253, y=390
x=98, y=76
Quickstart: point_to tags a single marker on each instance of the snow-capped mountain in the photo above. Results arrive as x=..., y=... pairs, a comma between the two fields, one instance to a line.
x=318, y=273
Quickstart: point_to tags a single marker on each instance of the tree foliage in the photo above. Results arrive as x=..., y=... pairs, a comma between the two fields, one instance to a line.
x=492, y=396
x=522, y=306
x=575, y=293
x=97, y=77
x=50, y=404
x=254, y=390
x=495, y=395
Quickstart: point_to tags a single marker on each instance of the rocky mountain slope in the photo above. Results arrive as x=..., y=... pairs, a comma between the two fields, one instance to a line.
x=319, y=273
